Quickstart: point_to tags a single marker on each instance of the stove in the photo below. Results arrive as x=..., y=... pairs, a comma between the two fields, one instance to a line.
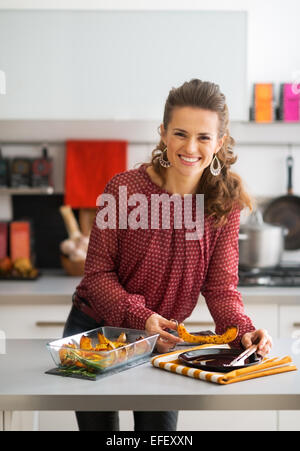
x=279, y=276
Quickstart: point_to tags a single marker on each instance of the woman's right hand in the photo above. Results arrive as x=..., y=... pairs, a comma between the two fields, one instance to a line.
x=156, y=324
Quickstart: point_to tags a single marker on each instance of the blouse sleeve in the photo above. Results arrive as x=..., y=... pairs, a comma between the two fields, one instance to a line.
x=108, y=298
x=223, y=299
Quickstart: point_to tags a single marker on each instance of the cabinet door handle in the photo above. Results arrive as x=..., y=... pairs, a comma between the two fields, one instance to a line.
x=296, y=324
x=50, y=323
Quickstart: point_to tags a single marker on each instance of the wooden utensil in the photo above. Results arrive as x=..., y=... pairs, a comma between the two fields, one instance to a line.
x=70, y=222
x=86, y=219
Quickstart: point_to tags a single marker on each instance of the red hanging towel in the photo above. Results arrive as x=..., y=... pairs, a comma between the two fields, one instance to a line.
x=89, y=166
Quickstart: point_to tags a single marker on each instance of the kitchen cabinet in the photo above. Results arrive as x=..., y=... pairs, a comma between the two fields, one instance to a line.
x=24, y=421
x=289, y=327
x=194, y=420
x=225, y=420
x=33, y=321
x=290, y=322
x=67, y=79
x=57, y=421
x=289, y=420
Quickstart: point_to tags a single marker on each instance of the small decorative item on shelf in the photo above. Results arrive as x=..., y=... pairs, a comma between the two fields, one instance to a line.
x=3, y=239
x=19, y=240
x=4, y=171
x=74, y=248
x=263, y=109
x=24, y=175
x=16, y=259
x=289, y=103
x=41, y=173
x=19, y=269
x=20, y=172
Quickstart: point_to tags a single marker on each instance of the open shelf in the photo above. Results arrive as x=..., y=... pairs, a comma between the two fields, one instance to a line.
x=23, y=190
x=135, y=131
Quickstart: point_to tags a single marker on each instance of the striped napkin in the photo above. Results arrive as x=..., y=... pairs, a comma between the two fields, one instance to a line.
x=267, y=367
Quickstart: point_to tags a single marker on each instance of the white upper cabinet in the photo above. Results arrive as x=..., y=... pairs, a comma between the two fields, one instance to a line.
x=117, y=64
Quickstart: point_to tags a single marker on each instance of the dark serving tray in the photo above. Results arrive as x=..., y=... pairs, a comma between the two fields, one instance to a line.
x=83, y=374
x=216, y=359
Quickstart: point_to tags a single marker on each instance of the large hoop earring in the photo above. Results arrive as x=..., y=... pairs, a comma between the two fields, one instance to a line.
x=163, y=162
x=215, y=170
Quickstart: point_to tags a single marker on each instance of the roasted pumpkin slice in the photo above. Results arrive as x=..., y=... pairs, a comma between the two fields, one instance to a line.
x=64, y=354
x=101, y=347
x=229, y=335
x=102, y=339
x=122, y=355
x=122, y=338
x=85, y=343
x=117, y=344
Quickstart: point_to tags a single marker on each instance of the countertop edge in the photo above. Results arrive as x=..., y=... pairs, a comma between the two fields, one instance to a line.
x=54, y=287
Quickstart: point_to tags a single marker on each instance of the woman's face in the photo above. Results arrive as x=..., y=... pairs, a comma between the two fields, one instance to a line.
x=191, y=139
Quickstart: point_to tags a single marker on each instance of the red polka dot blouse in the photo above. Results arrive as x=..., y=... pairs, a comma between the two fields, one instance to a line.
x=132, y=273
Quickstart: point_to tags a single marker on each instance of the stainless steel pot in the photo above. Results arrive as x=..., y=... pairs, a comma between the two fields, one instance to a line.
x=260, y=245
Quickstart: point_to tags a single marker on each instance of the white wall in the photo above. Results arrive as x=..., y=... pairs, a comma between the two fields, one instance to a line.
x=273, y=27
x=273, y=56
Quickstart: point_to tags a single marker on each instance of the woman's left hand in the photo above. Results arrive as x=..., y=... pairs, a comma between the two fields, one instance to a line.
x=261, y=338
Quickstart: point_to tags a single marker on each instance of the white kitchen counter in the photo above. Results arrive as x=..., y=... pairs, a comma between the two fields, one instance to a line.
x=55, y=287
x=25, y=386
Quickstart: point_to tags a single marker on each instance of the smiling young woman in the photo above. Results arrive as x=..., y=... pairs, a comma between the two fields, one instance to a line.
x=196, y=125
x=144, y=278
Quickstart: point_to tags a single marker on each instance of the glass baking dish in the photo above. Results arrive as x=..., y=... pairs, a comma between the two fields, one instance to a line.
x=80, y=353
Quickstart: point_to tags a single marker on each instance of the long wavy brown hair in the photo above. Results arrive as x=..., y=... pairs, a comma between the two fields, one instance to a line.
x=221, y=192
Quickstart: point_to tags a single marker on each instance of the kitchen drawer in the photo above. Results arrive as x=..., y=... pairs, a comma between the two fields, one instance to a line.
x=187, y=421
x=289, y=325
x=228, y=420
x=126, y=420
x=57, y=421
x=193, y=420
x=40, y=421
x=289, y=420
x=33, y=321
x=22, y=421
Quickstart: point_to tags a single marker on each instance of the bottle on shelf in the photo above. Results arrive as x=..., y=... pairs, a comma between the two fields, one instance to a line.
x=289, y=103
x=263, y=106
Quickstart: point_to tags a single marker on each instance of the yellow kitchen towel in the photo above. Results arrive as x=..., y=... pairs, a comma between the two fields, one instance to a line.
x=267, y=367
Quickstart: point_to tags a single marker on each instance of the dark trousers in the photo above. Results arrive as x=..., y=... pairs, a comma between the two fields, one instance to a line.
x=78, y=322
